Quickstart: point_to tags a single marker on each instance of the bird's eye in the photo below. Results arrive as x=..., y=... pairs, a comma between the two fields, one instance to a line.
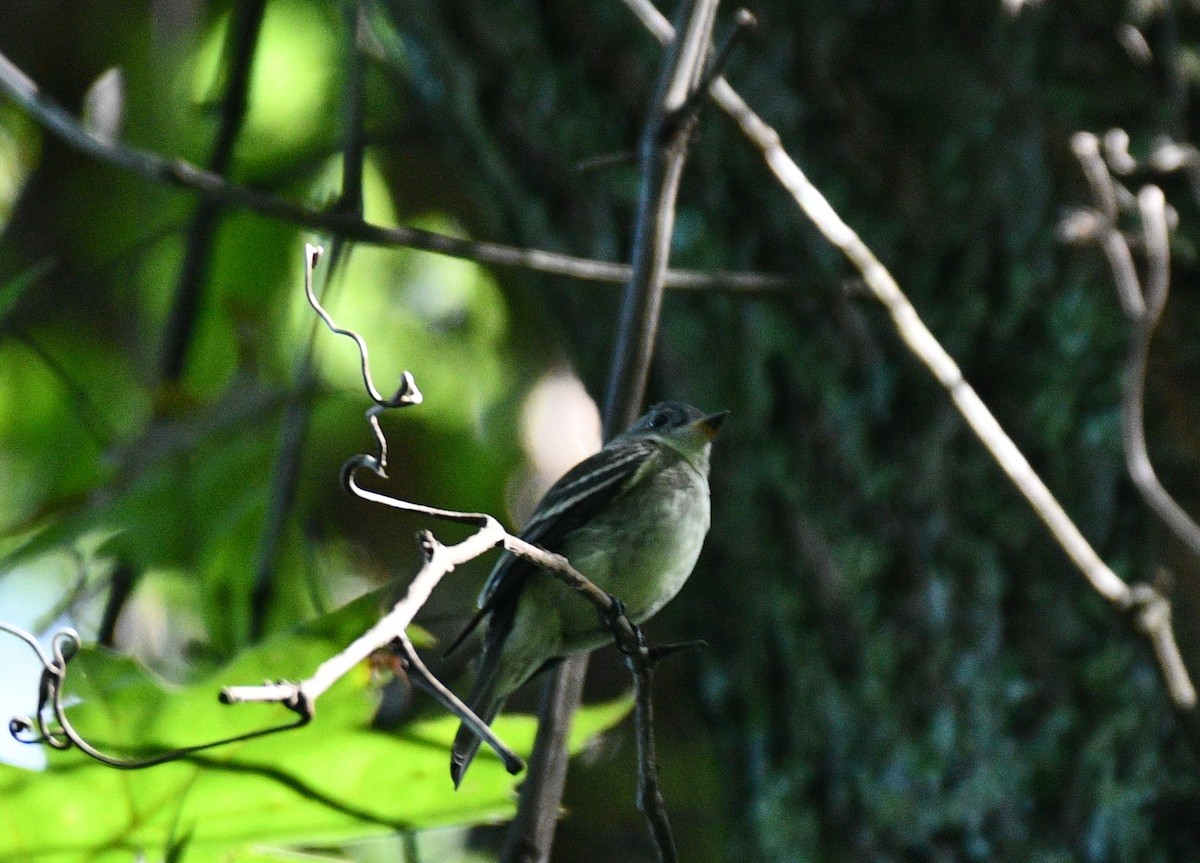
x=658, y=421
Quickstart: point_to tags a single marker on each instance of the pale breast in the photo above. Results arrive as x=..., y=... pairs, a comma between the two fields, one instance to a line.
x=653, y=539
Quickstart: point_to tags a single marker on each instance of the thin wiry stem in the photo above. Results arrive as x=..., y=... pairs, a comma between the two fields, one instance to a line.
x=62, y=735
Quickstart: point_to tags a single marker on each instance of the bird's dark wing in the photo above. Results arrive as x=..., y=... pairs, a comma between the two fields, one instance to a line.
x=570, y=502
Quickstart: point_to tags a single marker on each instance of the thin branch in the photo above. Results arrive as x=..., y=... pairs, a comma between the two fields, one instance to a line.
x=650, y=800
x=1142, y=301
x=390, y=630
x=531, y=832
x=921, y=342
x=440, y=560
x=182, y=174
x=1133, y=419
x=1086, y=147
x=663, y=152
x=743, y=22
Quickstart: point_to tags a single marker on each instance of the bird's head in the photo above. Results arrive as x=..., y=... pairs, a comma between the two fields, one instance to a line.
x=680, y=426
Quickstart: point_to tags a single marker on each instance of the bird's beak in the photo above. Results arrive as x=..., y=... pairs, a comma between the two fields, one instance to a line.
x=711, y=424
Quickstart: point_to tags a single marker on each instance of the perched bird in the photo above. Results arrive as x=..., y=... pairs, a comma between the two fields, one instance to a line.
x=631, y=518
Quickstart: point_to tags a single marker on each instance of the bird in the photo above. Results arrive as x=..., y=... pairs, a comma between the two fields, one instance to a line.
x=632, y=518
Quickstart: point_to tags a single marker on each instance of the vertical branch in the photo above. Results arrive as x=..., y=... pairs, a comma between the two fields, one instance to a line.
x=532, y=831
x=663, y=152
x=239, y=54
x=649, y=794
x=1133, y=408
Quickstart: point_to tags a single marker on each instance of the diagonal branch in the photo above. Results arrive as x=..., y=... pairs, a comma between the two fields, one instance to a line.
x=349, y=226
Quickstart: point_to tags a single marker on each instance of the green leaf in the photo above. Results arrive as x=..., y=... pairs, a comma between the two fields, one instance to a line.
x=332, y=781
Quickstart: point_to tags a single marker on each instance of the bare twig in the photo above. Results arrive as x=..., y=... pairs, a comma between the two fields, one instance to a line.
x=439, y=561
x=650, y=800
x=390, y=630
x=182, y=174
x=663, y=152
x=1142, y=301
x=301, y=697
x=531, y=832
x=921, y=342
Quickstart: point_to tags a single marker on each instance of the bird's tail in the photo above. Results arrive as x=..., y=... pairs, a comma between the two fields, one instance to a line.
x=485, y=704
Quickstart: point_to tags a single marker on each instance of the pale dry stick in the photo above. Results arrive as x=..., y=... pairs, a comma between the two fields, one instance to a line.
x=349, y=226
x=1142, y=301
x=440, y=561
x=929, y=351
x=1086, y=147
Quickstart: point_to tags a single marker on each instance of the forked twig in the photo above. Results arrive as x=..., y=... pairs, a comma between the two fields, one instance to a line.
x=1142, y=301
